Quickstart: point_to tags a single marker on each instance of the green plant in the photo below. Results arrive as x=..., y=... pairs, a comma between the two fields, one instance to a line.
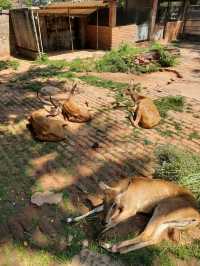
x=5, y=4
x=5, y=64
x=82, y=65
x=44, y=60
x=180, y=166
x=165, y=58
x=194, y=135
x=165, y=104
x=119, y=60
x=104, y=83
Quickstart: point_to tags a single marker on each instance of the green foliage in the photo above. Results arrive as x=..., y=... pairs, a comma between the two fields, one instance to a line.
x=180, y=166
x=194, y=135
x=59, y=64
x=5, y=4
x=82, y=65
x=28, y=2
x=165, y=58
x=165, y=104
x=119, y=60
x=99, y=82
x=5, y=64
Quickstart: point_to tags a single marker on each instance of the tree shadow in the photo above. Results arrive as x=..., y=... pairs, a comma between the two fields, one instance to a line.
x=73, y=167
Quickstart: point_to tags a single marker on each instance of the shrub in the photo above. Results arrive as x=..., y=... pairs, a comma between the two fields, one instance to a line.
x=166, y=59
x=5, y=4
x=119, y=60
x=168, y=103
x=180, y=166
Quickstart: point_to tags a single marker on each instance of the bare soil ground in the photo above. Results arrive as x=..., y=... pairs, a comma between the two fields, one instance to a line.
x=73, y=166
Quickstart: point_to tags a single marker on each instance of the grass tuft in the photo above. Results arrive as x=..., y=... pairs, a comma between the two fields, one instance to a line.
x=5, y=64
x=180, y=166
x=165, y=104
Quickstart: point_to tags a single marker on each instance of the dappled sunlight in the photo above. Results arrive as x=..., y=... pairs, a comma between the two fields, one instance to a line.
x=56, y=180
x=106, y=149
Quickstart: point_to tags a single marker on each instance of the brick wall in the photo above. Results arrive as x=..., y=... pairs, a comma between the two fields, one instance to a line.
x=4, y=34
x=121, y=34
x=110, y=37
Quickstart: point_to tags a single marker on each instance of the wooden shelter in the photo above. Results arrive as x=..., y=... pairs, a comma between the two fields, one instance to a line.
x=95, y=24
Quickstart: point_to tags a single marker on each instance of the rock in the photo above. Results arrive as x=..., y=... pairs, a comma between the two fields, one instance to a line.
x=85, y=243
x=50, y=90
x=40, y=198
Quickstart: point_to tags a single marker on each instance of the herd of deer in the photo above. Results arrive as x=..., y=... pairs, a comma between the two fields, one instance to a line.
x=172, y=208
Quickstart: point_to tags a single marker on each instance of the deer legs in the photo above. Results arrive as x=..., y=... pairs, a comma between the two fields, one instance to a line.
x=137, y=120
x=163, y=220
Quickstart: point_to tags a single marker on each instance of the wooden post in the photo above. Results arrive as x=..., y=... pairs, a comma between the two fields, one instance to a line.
x=153, y=19
x=112, y=13
x=97, y=28
x=70, y=29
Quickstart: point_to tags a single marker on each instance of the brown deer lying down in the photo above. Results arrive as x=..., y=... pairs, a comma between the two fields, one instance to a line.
x=172, y=207
x=46, y=127
x=145, y=112
x=74, y=112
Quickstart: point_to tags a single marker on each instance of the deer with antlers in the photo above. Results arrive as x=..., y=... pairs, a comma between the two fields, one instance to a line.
x=171, y=206
x=48, y=124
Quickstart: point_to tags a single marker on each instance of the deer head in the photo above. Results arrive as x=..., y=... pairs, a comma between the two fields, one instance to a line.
x=113, y=202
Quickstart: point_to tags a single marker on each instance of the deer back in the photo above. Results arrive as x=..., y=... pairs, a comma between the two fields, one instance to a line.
x=46, y=128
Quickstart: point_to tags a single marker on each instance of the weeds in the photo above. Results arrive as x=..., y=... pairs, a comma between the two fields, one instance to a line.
x=103, y=83
x=82, y=65
x=165, y=104
x=5, y=64
x=194, y=135
x=165, y=58
x=180, y=166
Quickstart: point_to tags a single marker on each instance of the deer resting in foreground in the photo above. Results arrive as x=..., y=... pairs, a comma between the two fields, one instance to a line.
x=172, y=208
x=145, y=113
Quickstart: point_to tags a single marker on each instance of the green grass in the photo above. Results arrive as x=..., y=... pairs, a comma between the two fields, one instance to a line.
x=5, y=64
x=180, y=166
x=121, y=59
x=147, y=142
x=194, y=135
x=162, y=253
x=168, y=103
x=104, y=83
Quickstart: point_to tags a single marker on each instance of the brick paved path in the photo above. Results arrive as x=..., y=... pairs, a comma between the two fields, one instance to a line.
x=27, y=165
